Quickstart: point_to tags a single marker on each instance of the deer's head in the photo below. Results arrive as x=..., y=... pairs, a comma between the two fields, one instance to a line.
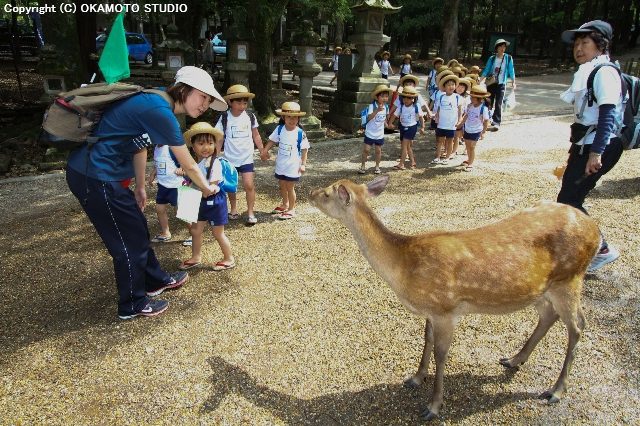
x=339, y=199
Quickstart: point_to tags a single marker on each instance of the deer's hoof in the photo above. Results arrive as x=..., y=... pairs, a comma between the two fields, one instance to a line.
x=428, y=415
x=506, y=362
x=413, y=382
x=550, y=397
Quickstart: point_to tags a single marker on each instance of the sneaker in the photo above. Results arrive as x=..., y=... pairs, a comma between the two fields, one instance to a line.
x=601, y=259
x=362, y=170
x=376, y=171
x=251, y=220
x=153, y=308
x=188, y=242
x=177, y=280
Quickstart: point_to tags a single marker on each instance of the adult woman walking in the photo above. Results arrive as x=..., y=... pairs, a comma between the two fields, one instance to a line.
x=99, y=177
x=499, y=69
x=595, y=148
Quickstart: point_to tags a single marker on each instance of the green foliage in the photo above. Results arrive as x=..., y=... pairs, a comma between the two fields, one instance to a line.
x=417, y=15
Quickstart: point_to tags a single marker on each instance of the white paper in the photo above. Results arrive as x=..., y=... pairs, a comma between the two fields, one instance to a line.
x=188, y=204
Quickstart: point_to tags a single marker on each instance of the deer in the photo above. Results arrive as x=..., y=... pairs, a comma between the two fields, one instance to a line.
x=538, y=257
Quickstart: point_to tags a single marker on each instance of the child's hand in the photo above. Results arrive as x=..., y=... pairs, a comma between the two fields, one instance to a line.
x=264, y=155
x=179, y=171
x=302, y=168
x=422, y=130
x=482, y=135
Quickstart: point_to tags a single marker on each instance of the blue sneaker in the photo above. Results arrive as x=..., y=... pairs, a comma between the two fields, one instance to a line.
x=177, y=280
x=153, y=308
x=601, y=259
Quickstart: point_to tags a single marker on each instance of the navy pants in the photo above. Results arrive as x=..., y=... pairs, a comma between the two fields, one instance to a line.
x=497, y=97
x=114, y=213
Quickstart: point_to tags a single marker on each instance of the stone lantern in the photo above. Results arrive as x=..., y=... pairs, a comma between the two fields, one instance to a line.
x=53, y=71
x=237, y=65
x=353, y=94
x=307, y=68
x=173, y=49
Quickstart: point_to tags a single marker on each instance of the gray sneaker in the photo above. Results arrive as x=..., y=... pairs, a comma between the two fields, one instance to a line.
x=601, y=259
x=153, y=308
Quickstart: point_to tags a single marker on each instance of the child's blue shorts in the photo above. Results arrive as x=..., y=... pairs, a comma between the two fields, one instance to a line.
x=245, y=168
x=167, y=195
x=472, y=136
x=408, y=132
x=369, y=141
x=444, y=133
x=214, y=209
x=287, y=178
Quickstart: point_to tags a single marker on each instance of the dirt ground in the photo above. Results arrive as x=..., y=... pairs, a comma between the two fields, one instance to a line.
x=303, y=331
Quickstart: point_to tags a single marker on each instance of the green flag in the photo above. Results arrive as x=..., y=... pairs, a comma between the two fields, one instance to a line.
x=114, y=60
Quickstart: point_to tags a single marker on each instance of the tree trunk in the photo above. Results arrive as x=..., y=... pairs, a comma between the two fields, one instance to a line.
x=425, y=43
x=87, y=30
x=339, y=34
x=470, y=26
x=486, y=49
x=450, y=30
x=567, y=18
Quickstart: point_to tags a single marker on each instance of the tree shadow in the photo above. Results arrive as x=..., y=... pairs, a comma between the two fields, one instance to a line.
x=379, y=404
x=617, y=189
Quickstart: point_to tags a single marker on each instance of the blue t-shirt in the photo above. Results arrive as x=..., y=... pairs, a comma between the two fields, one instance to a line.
x=132, y=124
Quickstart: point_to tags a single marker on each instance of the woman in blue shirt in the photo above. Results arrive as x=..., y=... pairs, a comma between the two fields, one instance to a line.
x=99, y=177
x=500, y=67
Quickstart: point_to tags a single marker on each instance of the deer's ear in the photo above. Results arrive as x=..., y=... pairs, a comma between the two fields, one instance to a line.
x=376, y=186
x=344, y=195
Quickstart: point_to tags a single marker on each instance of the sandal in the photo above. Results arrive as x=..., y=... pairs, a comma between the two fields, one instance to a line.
x=468, y=169
x=279, y=210
x=376, y=171
x=221, y=266
x=286, y=215
x=436, y=161
x=399, y=167
x=186, y=265
x=188, y=242
x=234, y=216
x=413, y=166
x=362, y=170
x=251, y=220
x=160, y=239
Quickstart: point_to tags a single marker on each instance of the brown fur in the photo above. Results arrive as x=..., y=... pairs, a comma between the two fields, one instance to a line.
x=536, y=257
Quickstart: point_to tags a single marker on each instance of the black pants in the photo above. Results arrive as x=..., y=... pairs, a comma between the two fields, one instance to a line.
x=575, y=185
x=497, y=97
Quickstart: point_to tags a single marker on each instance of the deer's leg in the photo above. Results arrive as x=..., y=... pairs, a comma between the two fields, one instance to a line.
x=568, y=307
x=423, y=369
x=442, y=336
x=547, y=316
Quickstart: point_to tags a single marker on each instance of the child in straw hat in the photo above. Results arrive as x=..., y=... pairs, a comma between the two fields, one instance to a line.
x=240, y=129
x=203, y=139
x=291, y=160
x=432, y=86
x=374, y=119
x=334, y=63
x=410, y=116
x=463, y=90
x=385, y=65
x=396, y=100
x=476, y=121
x=448, y=116
x=405, y=68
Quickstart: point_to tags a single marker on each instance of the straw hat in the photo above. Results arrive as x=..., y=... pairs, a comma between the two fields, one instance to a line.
x=443, y=80
x=409, y=92
x=201, y=80
x=386, y=52
x=479, y=91
x=412, y=77
x=407, y=56
x=453, y=63
x=338, y=48
x=441, y=68
x=442, y=74
x=457, y=71
x=467, y=82
x=201, y=127
x=291, y=109
x=379, y=89
x=474, y=70
x=464, y=69
x=472, y=77
x=238, y=91
x=438, y=59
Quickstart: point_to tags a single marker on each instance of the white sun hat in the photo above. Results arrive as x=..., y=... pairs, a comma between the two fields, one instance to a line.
x=201, y=80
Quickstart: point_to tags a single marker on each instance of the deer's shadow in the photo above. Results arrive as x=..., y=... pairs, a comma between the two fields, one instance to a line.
x=379, y=404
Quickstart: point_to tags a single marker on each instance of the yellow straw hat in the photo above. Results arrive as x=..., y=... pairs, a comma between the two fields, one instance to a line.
x=238, y=91
x=442, y=74
x=412, y=77
x=474, y=69
x=407, y=56
x=443, y=80
x=438, y=59
x=472, y=77
x=379, y=89
x=466, y=82
x=479, y=91
x=386, y=52
x=453, y=63
x=291, y=109
x=457, y=71
x=441, y=68
x=409, y=92
x=199, y=128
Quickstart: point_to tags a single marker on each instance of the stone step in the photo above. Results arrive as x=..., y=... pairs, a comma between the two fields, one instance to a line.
x=315, y=135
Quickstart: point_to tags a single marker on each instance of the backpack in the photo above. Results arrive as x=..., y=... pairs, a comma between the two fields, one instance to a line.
x=225, y=118
x=300, y=133
x=365, y=113
x=415, y=106
x=630, y=86
x=229, y=181
x=73, y=116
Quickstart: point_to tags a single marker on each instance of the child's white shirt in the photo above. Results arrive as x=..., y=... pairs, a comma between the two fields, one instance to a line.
x=216, y=169
x=375, y=127
x=405, y=69
x=238, y=140
x=289, y=159
x=465, y=101
x=475, y=121
x=436, y=97
x=448, y=111
x=385, y=66
x=419, y=100
x=335, y=60
x=407, y=114
x=166, y=168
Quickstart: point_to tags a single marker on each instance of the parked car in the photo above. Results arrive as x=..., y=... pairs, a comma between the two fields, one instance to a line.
x=139, y=47
x=219, y=45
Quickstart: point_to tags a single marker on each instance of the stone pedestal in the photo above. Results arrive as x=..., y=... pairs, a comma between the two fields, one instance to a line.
x=238, y=72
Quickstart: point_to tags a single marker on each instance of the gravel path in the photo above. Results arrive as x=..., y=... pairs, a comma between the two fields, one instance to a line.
x=303, y=331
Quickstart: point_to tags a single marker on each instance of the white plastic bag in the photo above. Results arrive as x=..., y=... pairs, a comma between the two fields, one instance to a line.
x=510, y=102
x=188, y=204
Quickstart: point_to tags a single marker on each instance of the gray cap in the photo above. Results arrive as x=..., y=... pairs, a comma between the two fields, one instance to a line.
x=599, y=26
